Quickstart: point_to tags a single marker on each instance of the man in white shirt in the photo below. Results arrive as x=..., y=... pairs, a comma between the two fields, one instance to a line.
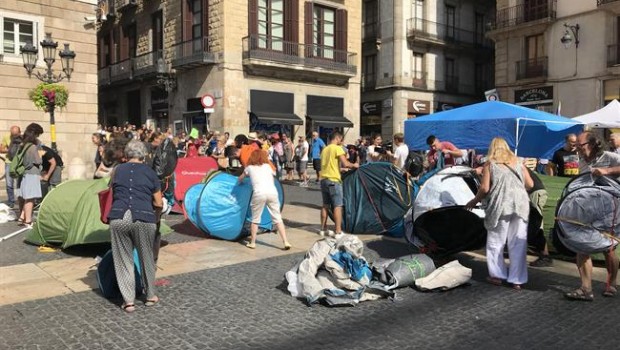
x=401, y=151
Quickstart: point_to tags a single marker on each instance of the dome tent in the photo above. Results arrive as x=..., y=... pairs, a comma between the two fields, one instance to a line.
x=220, y=206
x=69, y=215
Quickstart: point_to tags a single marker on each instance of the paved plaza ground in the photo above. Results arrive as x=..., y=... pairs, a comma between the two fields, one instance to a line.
x=233, y=298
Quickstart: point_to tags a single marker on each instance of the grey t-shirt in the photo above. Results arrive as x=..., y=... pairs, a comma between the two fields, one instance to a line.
x=605, y=160
x=32, y=160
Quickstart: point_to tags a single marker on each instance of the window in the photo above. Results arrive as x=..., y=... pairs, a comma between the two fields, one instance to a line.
x=534, y=46
x=157, y=31
x=450, y=21
x=479, y=29
x=131, y=40
x=417, y=70
x=270, y=24
x=451, y=79
x=417, y=9
x=195, y=26
x=324, y=31
x=371, y=14
x=480, y=77
x=369, y=67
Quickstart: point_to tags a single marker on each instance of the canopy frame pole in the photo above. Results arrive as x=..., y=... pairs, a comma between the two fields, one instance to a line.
x=517, y=138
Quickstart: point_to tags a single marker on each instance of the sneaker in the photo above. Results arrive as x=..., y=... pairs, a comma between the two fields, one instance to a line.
x=303, y=184
x=328, y=233
x=543, y=261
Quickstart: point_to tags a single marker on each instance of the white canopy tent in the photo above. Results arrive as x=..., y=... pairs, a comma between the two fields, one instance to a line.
x=606, y=117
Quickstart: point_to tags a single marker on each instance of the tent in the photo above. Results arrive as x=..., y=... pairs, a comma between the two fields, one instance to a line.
x=188, y=172
x=531, y=133
x=69, y=215
x=606, y=117
x=376, y=198
x=220, y=206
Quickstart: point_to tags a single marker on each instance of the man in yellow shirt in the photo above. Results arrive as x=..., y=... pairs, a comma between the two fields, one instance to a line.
x=332, y=157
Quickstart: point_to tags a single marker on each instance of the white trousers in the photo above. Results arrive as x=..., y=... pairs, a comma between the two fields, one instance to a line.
x=510, y=230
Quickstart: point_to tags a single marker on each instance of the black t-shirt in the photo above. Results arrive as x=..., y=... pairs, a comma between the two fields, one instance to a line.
x=49, y=154
x=567, y=162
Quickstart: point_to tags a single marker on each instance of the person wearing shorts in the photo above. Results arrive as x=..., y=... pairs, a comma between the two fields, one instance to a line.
x=317, y=146
x=301, y=154
x=264, y=194
x=332, y=157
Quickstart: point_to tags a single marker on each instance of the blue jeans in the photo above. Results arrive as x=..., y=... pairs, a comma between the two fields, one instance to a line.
x=332, y=193
x=10, y=185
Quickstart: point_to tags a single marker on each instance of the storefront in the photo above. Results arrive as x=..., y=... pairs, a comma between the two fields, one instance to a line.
x=272, y=111
x=194, y=117
x=159, y=109
x=540, y=98
x=325, y=115
x=370, y=118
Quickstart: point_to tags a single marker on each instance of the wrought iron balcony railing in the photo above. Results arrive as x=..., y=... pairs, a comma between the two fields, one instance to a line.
x=121, y=70
x=308, y=55
x=103, y=76
x=418, y=79
x=519, y=14
x=532, y=68
x=191, y=53
x=146, y=63
x=424, y=29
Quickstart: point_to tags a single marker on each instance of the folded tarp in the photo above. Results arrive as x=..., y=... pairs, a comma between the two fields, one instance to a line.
x=220, y=207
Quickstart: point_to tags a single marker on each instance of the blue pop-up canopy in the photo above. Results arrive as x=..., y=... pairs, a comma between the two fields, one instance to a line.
x=530, y=132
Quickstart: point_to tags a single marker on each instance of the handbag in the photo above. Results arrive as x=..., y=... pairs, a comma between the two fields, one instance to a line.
x=105, y=202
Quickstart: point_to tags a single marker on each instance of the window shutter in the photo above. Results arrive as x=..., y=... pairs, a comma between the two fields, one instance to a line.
x=253, y=17
x=291, y=18
x=187, y=20
x=205, y=18
x=124, y=43
x=341, y=35
x=101, y=50
x=308, y=27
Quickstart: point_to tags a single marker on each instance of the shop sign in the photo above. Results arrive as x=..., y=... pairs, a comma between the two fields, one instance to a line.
x=371, y=108
x=418, y=107
x=539, y=96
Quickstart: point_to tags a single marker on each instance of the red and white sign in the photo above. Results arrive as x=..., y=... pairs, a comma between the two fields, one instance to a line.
x=208, y=102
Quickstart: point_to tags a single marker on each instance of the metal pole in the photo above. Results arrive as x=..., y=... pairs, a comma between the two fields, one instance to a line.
x=52, y=107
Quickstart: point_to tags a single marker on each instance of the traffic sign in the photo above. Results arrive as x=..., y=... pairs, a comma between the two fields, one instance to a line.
x=208, y=101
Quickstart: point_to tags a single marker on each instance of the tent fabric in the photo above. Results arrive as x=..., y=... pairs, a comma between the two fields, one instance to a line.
x=589, y=207
x=220, y=207
x=606, y=117
x=69, y=215
x=376, y=198
x=188, y=172
x=106, y=276
x=530, y=132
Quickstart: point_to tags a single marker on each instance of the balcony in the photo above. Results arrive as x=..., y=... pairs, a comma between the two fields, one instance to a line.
x=452, y=84
x=369, y=83
x=532, y=68
x=290, y=60
x=521, y=14
x=125, y=4
x=613, y=55
x=191, y=54
x=103, y=76
x=121, y=71
x=442, y=34
x=611, y=5
x=146, y=65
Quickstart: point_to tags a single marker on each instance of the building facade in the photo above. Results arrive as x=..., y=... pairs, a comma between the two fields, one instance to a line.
x=23, y=21
x=269, y=65
x=420, y=57
x=557, y=55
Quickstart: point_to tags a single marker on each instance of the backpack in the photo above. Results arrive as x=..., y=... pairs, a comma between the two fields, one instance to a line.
x=414, y=164
x=17, y=168
x=14, y=145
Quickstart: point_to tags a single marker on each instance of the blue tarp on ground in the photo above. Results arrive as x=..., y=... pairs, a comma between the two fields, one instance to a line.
x=221, y=206
x=532, y=133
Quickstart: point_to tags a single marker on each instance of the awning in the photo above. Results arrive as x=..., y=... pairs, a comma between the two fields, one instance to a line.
x=277, y=118
x=331, y=120
x=193, y=113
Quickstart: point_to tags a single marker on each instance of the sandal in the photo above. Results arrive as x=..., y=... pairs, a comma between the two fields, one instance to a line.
x=251, y=245
x=287, y=246
x=580, y=294
x=516, y=287
x=610, y=292
x=151, y=302
x=128, y=308
x=494, y=281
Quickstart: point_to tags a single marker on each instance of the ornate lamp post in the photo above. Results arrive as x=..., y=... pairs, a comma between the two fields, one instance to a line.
x=67, y=57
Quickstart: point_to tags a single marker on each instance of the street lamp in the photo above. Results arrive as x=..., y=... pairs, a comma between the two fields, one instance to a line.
x=29, y=55
x=164, y=77
x=567, y=38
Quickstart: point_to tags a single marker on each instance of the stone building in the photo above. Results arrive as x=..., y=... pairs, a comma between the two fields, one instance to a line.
x=420, y=57
x=552, y=53
x=23, y=21
x=269, y=65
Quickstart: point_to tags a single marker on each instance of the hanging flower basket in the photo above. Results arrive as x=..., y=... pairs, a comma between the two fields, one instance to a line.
x=46, y=94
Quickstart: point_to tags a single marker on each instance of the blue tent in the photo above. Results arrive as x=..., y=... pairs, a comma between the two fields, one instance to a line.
x=530, y=132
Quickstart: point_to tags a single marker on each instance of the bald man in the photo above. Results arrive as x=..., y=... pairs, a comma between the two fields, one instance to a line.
x=5, y=145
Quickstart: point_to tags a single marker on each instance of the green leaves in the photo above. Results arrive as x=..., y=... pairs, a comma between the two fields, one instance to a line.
x=45, y=93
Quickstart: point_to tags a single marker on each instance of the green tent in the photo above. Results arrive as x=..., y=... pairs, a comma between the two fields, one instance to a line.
x=69, y=215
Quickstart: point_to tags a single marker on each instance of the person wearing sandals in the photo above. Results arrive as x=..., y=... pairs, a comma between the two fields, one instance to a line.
x=593, y=158
x=29, y=185
x=503, y=187
x=262, y=174
x=136, y=208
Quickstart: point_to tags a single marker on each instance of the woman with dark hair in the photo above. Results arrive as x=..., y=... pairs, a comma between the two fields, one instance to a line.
x=135, y=212
x=29, y=185
x=262, y=174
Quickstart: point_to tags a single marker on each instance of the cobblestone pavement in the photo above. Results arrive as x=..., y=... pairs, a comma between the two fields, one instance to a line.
x=246, y=306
